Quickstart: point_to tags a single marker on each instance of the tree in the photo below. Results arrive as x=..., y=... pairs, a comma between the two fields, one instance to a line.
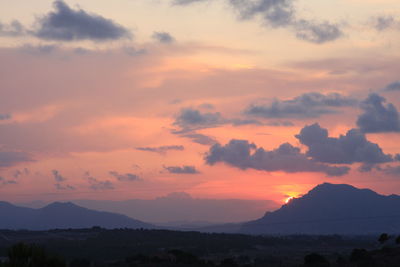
x=315, y=259
x=23, y=255
x=383, y=238
x=398, y=240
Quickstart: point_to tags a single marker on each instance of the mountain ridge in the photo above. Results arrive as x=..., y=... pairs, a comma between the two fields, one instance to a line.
x=62, y=215
x=332, y=209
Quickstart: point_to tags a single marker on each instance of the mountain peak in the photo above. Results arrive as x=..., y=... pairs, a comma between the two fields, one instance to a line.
x=332, y=209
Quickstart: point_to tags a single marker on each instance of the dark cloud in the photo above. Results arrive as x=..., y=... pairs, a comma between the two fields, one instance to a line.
x=240, y=122
x=95, y=184
x=17, y=173
x=391, y=170
x=127, y=177
x=308, y=105
x=66, y=24
x=13, y=29
x=200, y=139
x=59, y=186
x=395, y=86
x=397, y=157
x=282, y=13
x=5, y=117
x=317, y=33
x=382, y=23
x=189, y=119
x=287, y=158
x=10, y=158
x=161, y=149
x=38, y=49
x=377, y=116
x=163, y=37
x=186, y=2
x=4, y=181
x=57, y=176
x=346, y=149
x=181, y=170
x=275, y=13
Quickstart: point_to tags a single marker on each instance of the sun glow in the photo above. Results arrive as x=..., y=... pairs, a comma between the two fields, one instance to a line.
x=288, y=200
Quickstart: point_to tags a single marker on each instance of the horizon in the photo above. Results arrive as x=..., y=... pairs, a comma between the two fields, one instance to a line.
x=253, y=100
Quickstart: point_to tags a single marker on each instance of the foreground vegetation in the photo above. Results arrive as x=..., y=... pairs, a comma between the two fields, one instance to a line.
x=125, y=247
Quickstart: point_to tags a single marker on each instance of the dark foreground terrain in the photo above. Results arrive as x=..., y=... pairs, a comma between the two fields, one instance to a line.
x=125, y=247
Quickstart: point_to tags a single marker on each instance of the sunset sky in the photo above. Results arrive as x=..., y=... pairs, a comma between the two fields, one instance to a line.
x=244, y=99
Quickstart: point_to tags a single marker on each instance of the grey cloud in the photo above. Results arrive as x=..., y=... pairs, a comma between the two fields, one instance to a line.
x=189, y=119
x=66, y=24
x=181, y=170
x=18, y=173
x=282, y=13
x=239, y=122
x=394, y=86
x=38, y=49
x=346, y=149
x=187, y=2
x=59, y=186
x=308, y=105
x=4, y=181
x=287, y=158
x=377, y=116
x=57, y=176
x=275, y=13
x=128, y=177
x=10, y=158
x=397, y=157
x=163, y=37
x=200, y=139
x=161, y=149
x=13, y=29
x=5, y=117
x=318, y=33
x=95, y=184
x=382, y=23
x=391, y=170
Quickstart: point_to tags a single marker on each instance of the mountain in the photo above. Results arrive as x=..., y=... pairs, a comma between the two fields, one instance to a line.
x=332, y=209
x=62, y=215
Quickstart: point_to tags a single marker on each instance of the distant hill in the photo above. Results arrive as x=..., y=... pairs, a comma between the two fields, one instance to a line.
x=62, y=215
x=332, y=209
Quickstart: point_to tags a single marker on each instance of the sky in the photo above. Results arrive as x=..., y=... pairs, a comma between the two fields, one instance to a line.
x=220, y=99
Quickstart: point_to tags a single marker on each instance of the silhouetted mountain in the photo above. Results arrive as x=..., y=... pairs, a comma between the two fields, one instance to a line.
x=332, y=209
x=62, y=215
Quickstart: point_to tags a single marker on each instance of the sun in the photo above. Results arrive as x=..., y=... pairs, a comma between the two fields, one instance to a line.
x=288, y=200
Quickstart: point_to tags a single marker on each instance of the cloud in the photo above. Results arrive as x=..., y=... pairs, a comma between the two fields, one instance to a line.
x=163, y=37
x=281, y=13
x=4, y=117
x=287, y=158
x=10, y=158
x=308, y=105
x=346, y=149
x=57, y=176
x=18, y=173
x=181, y=170
x=161, y=149
x=275, y=13
x=66, y=24
x=186, y=2
x=394, y=86
x=391, y=170
x=96, y=185
x=377, y=116
x=4, y=181
x=38, y=49
x=127, y=177
x=190, y=119
x=59, y=186
x=382, y=23
x=317, y=33
x=200, y=139
x=13, y=29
